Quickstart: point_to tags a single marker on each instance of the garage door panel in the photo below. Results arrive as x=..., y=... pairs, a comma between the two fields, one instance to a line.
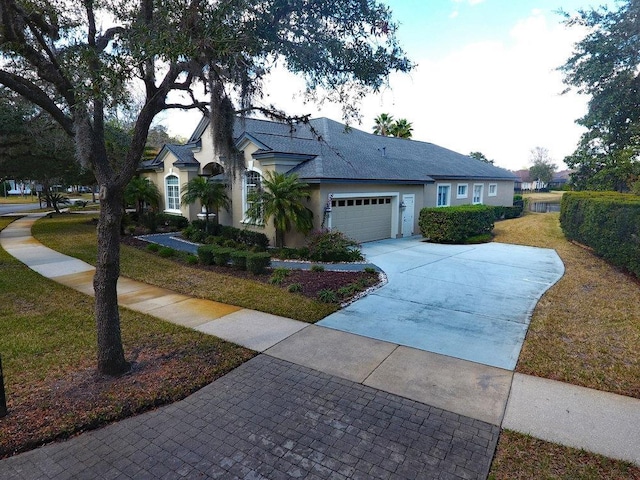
x=360, y=221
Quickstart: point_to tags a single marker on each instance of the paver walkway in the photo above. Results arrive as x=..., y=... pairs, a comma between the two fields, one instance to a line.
x=442, y=388
x=272, y=419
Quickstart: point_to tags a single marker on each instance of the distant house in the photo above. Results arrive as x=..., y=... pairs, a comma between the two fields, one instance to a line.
x=368, y=186
x=560, y=179
x=524, y=182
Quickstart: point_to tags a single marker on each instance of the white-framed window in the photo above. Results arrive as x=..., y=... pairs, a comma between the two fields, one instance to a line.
x=493, y=189
x=477, y=193
x=463, y=190
x=172, y=187
x=444, y=195
x=252, y=184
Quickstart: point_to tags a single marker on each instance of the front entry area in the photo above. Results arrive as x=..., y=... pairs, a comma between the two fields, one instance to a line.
x=364, y=218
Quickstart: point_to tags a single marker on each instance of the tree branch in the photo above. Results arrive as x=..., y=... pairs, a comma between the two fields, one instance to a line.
x=35, y=94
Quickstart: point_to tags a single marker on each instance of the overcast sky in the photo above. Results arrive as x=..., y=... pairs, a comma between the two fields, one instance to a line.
x=485, y=79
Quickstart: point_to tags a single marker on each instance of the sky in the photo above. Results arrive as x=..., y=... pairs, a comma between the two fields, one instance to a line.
x=486, y=79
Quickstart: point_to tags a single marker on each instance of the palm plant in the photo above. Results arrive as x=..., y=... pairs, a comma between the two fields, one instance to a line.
x=282, y=199
x=141, y=191
x=211, y=195
x=402, y=128
x=383, y=124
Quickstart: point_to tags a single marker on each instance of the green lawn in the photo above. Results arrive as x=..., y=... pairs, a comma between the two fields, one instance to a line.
x=48, y=348
x=75, y=235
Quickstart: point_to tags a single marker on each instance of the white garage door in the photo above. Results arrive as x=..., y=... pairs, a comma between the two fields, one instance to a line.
x=364, y=219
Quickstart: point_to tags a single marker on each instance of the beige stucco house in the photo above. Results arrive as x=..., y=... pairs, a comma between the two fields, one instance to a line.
x=368, y=186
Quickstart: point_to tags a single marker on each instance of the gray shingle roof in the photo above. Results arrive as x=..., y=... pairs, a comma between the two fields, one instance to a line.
x=348, y=154
x=351, y=154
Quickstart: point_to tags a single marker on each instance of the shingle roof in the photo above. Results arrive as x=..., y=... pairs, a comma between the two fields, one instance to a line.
x=341, y=153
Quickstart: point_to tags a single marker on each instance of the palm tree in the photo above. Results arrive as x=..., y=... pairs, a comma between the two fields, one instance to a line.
x=402, y=128
x=211, y=195
x=281, y=199
x=384, y=123
x=140, y=191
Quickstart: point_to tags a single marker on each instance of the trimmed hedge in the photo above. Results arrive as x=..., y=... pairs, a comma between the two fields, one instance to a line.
x=241, y=259
x=258, y=262
x=505, y=213
x=196, y=233
x=456, y=224
x=608, y=222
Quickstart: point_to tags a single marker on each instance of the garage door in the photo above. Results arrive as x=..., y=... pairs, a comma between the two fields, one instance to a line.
x=363, y=219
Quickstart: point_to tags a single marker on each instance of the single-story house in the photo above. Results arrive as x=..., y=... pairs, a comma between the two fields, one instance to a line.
x=370, y=187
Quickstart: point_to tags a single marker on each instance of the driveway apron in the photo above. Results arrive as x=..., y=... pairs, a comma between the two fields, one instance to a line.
x=472, y=302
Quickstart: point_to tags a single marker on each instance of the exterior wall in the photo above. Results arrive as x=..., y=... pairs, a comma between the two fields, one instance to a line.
x=504, y=192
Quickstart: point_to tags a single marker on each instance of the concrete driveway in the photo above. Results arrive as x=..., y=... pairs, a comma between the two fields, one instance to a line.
x=472, y=302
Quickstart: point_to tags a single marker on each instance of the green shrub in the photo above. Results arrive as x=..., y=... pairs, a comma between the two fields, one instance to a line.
x=484, y=238
x=294, y=288
x=317, y=268
x=166, y=252
x=327, y=295
x=205, y=254
x=333, y=246
x=513, y=212
x=369, y=270
x=153, y=247
x=278, y=275
x=456, y=224
x=239, y=259
x=192, y=259
x=222, y=255
x=348, y=290
x=258, y=262
x=608, y=222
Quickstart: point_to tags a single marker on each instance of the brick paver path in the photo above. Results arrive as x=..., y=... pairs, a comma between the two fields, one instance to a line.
x=273, y=419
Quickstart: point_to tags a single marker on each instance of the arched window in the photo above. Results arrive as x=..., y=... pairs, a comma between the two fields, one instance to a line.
x=173, y=192
x=252, y=184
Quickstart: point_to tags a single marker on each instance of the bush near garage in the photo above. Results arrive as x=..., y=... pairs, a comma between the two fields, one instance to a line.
x=456, y=224
x=608, y=222
x=333, y=246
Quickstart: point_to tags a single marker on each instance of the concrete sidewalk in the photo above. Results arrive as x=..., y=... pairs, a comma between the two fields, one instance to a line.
x=465, y=388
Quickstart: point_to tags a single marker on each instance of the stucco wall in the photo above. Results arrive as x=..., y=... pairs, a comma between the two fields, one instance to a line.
x=504, y=192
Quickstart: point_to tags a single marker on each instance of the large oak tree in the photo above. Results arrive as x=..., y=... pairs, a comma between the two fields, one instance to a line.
x=80, y=60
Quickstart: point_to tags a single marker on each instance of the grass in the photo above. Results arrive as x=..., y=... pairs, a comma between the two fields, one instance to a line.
x=48, y=347
x=75, y=235
x=551, y=197
x=586, y=329
x=524, y=457
x=18, y=199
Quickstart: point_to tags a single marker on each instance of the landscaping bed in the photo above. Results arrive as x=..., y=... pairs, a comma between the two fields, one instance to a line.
x=311, y=282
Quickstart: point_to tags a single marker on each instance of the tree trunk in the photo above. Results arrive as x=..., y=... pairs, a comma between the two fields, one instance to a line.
x=111, y=359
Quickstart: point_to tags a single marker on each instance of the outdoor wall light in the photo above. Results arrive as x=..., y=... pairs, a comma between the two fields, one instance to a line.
x=402, y=205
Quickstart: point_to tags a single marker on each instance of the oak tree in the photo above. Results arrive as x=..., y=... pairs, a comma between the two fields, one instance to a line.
x=79, y=61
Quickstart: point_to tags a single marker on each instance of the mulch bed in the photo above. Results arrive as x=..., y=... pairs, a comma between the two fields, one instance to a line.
x=311, y=282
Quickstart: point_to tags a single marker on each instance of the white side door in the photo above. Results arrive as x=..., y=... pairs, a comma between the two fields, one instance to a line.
x=408, y=214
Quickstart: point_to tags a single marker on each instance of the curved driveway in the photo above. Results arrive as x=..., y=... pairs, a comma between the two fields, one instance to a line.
x=472, y=302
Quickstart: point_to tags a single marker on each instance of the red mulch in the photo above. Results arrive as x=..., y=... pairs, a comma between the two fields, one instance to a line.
x=311, y=282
